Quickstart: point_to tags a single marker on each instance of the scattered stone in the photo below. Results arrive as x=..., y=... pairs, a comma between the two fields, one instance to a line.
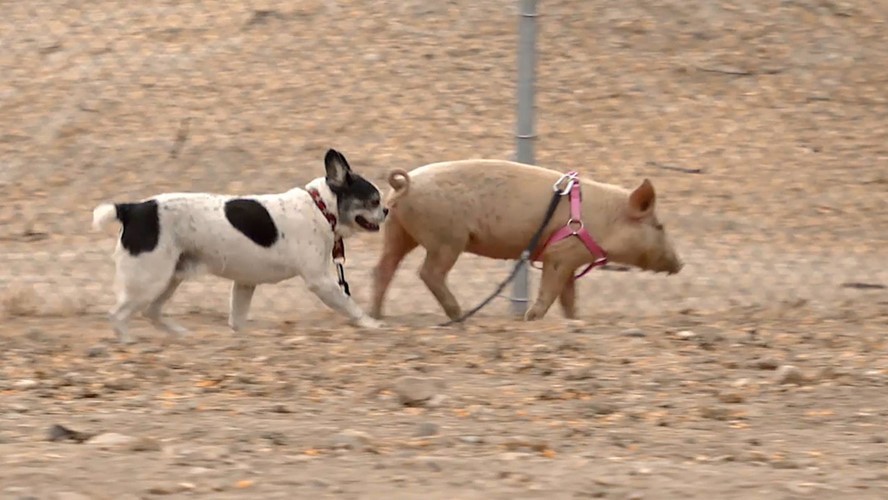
x=516, y=443
x=731, y=397
x=549, y=395
x=426, y=429
x=61, y=433
x=281, y=408
x=685, y=334
x=70, y=495
x=97, y=351
x=417, y=391
x=633, y=332
x=582, y=373
x=471, y=439
x=167, y=489
x=143, y=444
x=18, y=408
x=600, y=408
x=767, y=363
x=576, y=326
x=193, y=456
x=121, y=384
x=789, y=374
x=351, y=439
x=26, y=384
x=513, y=455
x=112, y=440
x=715, y=412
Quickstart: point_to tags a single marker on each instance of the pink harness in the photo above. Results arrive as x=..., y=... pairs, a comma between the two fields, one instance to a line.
x=574, y=226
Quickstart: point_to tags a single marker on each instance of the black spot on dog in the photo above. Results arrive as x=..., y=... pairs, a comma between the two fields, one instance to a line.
x=253, y=220
x=141, y=226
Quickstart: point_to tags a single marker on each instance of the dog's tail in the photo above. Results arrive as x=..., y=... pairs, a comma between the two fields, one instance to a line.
x=399, y=180
x=103, y=215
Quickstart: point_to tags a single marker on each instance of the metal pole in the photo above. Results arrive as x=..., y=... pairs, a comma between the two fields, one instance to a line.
x=525, y=136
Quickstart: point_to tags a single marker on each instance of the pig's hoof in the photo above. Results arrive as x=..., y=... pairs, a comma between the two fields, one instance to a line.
x=532, y=315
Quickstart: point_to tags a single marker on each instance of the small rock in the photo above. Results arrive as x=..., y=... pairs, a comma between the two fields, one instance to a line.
x=767, y=363
x=789, y=374
x=70, y=495
x=62, y=433
x=600, y=408
x=576, y=326
x=513, y=455
x=18, y=408
x=426, y=429
x=97, y=351
x=633, y=332
x=715, y=412
x=281, y=408
x=26, y=384
x=121, y=384
x=685, y=334
x=731, y=397
x=351, y=439
x=471, y=439
x=416, y=391
x=515, y=443
x=635, y=496
x=110, y=440
x=166, y=489
x=581, y=373
x=143, y=444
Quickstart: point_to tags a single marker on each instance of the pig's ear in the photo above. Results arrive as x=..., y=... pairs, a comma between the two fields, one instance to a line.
x=642, y=200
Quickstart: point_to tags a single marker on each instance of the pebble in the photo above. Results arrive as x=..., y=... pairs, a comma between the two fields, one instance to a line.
x=351, y=439
x=715, y=412
x=731, y=397
x=633, y=332
x=789, y=374
x=767, y=363
x=426, y=429
x=70, y=495
x=97, y=351
x=417, y=391
x=471, y=439
x=111, y=440
x=582, y=373
x=61, y=433
x=25, y=384
x=685, y=334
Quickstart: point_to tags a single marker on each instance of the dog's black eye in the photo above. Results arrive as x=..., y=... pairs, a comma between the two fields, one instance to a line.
x=658, y=226
x=374, y=203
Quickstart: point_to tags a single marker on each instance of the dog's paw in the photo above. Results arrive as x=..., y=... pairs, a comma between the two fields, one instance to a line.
x=369, y=323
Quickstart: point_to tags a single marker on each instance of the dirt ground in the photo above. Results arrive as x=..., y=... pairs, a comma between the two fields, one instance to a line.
x=758, y=372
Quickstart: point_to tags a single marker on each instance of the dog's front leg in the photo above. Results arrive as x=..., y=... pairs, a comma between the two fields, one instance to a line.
x=241, y=296
x=326, y=288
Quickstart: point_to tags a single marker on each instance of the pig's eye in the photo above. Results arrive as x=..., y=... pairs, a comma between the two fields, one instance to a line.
x=658, y=226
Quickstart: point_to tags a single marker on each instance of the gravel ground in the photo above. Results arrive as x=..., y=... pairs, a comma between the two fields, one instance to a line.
x=758, y=372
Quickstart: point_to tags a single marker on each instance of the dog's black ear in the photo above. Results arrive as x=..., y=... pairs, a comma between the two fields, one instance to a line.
x=338, y=169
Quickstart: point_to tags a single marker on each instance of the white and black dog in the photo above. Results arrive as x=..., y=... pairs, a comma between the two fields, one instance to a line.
x=250, y=240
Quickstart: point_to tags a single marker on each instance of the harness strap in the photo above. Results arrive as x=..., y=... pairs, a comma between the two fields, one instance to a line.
x=575, y=227
x=338, y=244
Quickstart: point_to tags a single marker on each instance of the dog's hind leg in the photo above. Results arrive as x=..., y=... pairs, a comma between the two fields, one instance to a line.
x=397, y=243
x=241, y=296
x=438, y=262
x=154, y=310
x=140, y=281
